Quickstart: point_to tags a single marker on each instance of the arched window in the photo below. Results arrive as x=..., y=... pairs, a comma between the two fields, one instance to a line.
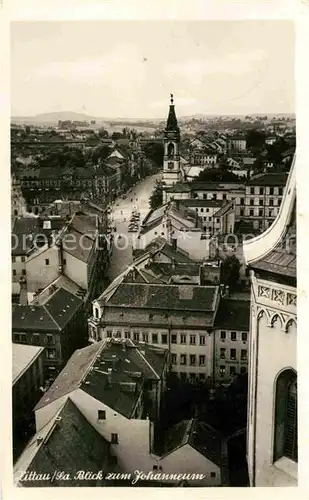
x=96, y=312
x=170, y=149
x=285, y=444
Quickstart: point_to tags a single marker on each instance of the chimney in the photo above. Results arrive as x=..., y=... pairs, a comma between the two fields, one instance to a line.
x=39, y=440
x=124, y=345
x=227, y=290
x=174, y=244
x=222, y=287
x=109, y=376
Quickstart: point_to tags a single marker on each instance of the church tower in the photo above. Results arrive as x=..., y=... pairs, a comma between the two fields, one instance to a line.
x=171, y=163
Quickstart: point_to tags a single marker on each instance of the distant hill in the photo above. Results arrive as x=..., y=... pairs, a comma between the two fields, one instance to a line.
x=53, y=118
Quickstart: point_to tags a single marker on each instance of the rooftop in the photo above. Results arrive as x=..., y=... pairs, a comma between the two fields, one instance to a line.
x=23, y=357
x=269, y=179
x=202, y=437
x=88, y=369
x=177, y=297
x=70, y=442
x=202, y=203
x=52, y=315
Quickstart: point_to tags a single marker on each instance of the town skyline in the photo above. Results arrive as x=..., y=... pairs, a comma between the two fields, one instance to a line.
x=128, y=69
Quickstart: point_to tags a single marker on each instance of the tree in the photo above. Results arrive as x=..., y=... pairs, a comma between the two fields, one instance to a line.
x=230, y=271
x=156, y=198
x=154, y=151
x=100, y=153
x=255, y=139
x=103, y=133
x=217, y=175
x=117, y=135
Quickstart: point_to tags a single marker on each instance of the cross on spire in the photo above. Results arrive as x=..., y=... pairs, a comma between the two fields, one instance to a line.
x=172, y=99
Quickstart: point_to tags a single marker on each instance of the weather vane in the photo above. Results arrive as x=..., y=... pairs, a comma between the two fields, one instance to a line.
x=172, y=99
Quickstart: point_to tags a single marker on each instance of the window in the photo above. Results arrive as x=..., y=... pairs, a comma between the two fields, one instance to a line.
x=233, y=336
x=244, y=336
x=174, y=338
x=192, y=359
x=232, y=353
x=46, y=262
x=202, y=210
x=260, y=213
x=23, y=259
x=222, y=370
x=192, y=339
x=252, y=202
x=218, y=219
x=50, y=353
x=202, y=360
x=118, y=335
x=23, y=338
x=232, y=370
x=222, y=353
x=243, y=370
x=271, y=190
x=145, y=337
x=154, y=338
x=114, y=438
x=101, y=415
x=14, y=272
x=243, y=355
x=127, y=335
x=183, y=376
x=174, y=359
x=49, y=339
x=183, y=359
x=207, y=210
x=271, y=202
x=261, y=190
x=183, y=339
x=223, y=335
x=285, y=444
x=109, y=333
x=280, y=191
x=36, y=338
x=242, y=212
x=150, y=316
x=163, y=338
x=242, y=201
x=204, y=219
x=13, y=260
x=252, y=190
x=212, y=474
x=251, y=213
x=136, y=336
x=261, y=203
x=202, y=339
x=201, y=376
x=96, y=312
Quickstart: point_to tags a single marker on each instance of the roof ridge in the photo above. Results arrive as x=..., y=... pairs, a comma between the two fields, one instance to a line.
x=147, y=363
x=49, y=314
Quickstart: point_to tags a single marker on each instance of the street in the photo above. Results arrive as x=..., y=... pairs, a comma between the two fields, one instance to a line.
x=137, y=198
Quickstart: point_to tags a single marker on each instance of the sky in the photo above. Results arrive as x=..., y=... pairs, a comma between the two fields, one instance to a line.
x=128, y=69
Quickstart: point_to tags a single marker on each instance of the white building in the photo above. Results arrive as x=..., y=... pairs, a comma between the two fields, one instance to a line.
x=272, y=413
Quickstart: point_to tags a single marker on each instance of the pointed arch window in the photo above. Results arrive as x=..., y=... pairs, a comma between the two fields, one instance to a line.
x=285, y=444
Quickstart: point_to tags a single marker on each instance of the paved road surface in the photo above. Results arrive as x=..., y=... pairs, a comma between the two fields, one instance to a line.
x=122, y=209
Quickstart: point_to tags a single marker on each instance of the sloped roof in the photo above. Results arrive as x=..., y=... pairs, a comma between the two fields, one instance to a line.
x=71, y=446
x=269, y=179
x=53, y=315
x=201, y=436
x=87, y=369
x=182, y=297
x=22, y=357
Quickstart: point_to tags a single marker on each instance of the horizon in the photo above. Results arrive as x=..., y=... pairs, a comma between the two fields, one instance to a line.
x=125, y=69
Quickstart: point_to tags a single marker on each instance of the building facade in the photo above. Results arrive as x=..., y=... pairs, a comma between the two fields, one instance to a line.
x=272, y=440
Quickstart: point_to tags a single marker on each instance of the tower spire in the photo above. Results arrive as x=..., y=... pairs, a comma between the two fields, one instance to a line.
x=172, y=123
